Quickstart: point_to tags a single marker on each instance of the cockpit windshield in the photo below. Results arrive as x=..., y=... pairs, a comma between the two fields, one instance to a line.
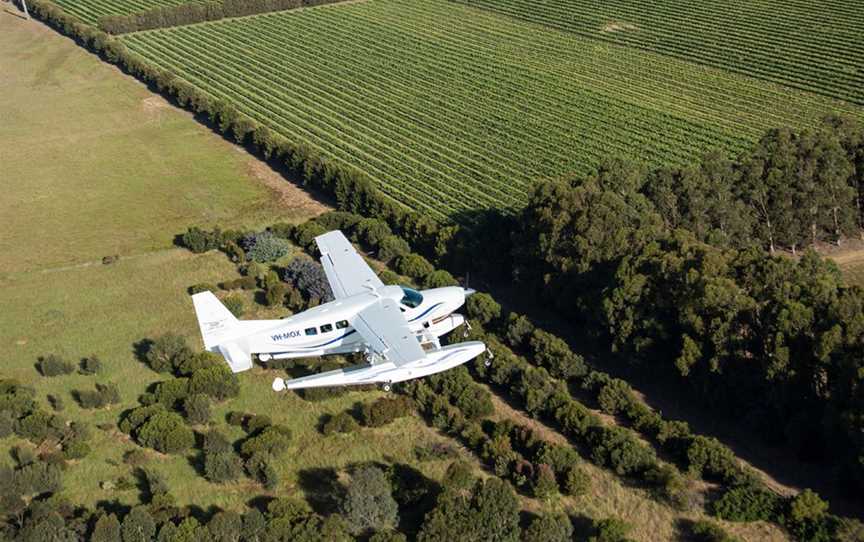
x=412, y=298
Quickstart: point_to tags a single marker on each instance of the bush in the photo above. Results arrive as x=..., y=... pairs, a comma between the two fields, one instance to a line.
x=392, y=247
x=615, y=397
x=256, y=423
x=54, y=365
x=56, y=403
x=170, y=392
x=275, y=294
x=549, y=528
x=576, y=481
x=224, y=466
x=104, y=395
x=519, y=328
x=414, y=266
x=242, y=283
x=259, y=468
x=135, y=418
x=267, y=248
x=371, y=231
x=166, y=352
x=196, y=408
x=165, y=431
x=235, y=304
x=309, y=278
x=199, y=360
x=136, y=458
x=198, y=240
x=707, y=531
x=368, y=504
x=236, y=418
x=218, y=382
x=384, y=410
x=544, y=484
x=340, y=423
x=272, y=441
x=91, y=365
x=611, y=530
x=554, y=354
x=483, y=308
x=616, y=448
x=439, y=279
x=747, y=504
x=201, y=287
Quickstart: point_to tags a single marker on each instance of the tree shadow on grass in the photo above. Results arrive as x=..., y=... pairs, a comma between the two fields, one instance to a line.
x=322, y=488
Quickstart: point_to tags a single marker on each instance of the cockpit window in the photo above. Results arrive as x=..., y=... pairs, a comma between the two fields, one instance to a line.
x=412, y=298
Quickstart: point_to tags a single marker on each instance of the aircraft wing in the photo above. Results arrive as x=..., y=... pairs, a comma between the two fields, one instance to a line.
x=347, y=272
x=387, y=333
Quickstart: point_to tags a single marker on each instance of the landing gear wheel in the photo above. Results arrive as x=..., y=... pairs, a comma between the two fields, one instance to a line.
x=386, y=386
x=488, y=361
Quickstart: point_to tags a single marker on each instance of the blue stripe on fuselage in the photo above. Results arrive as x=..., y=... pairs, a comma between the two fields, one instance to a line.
x=426, y=311
x=330, y=341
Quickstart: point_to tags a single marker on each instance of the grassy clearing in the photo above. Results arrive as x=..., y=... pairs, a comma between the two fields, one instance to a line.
x=95, y=164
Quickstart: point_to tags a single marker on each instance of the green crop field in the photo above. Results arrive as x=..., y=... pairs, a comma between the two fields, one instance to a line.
x=814, y=46
x=452, y=108
x=89, y=11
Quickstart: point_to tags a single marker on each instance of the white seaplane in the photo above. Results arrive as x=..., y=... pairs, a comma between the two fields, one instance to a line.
x=396, y=327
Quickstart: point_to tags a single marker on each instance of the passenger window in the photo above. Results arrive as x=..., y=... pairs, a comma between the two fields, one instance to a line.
x=341, y=324
x=311, y=331
x=326, y=328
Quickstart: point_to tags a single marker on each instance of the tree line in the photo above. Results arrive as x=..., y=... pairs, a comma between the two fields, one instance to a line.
x=197, y=12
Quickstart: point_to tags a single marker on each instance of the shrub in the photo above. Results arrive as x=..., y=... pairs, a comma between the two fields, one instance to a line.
x=259, y=468
x=199, y=360
x=136, y=458
x=616, y=448
x=236, y=418
x=196, y=408
x=104, y=395
x=309, y=278
x=439, y=279
x=519, y=328
x=707, y=531
x=483, y=308
x=234, y=252
x=198, y=240
x=218, y=382
x=257, y=422
x=392, y=247
x=272, y=441
x=135, y=418
x=549, y=528
x=368, y=503
x=7, y=423
x=371, y=231
x=267, y=248
x=615, y=397
x=544, y=484
x=414, y=266
x=170, y=392
x=235, y=304
x=244, y=283
x=54, y=365
x=576, y=481
x=56, y=403
x=166, y=352
x=554, y=354
x=91, y=365
x=340, y=423
x=384, y=410
x=165, y=431
x=610, y=530
x=275, y=294
x=747, y=504
x=201, y=287
x=224, y=466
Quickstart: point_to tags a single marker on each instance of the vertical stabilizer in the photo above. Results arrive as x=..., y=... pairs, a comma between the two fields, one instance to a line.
x=218, y=329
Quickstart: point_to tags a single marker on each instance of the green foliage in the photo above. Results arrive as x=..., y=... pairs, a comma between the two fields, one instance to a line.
x=106, y=529
x=576, y=481
x=235, y=304
x=707, y=531
x=611, y=530
x=166, y=352
x=54, y=365
x=554, y=354
x=138, y=525
x=747, y=504
x=170, y=392
x=439, y=279
x=618, y=449
x=218, y=382
x=519, y=329
x=483, y=308
x=275, y=294
x=549, y=528
x=342, y=422
x=384, y=410
x=544, y=485
x=368, y=504
x=268, y=248
x=201, y=287
x=91, y=365
x=372, y=231
x=196, y=408
x=489, y=512
x=242, y=283
x=198, y=360
x=222, y=466
x=165, y=432
x=198, y=240
x=259, y=467
x=414, y=266
x=102, y=396
x=272, y=441
x=391, y=247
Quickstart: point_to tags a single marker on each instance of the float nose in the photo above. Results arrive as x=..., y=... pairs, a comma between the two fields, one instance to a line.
x=469, y=291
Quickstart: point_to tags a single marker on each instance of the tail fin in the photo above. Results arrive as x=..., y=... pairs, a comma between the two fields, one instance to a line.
x=215, y=320
x=218, y=329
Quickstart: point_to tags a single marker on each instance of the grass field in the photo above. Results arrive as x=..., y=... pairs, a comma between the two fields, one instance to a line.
x=451, y=108
x=814, y=46
x=90, y=11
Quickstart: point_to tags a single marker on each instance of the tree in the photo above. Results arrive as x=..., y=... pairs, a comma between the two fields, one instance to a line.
x=611, y=530
x=54, y=365
x=439, y=279
x=166, y=432
x=220, y=467
x=309, y=278
x=576, y=481
x=273, y=440
x=218, y=382
x=196, y=408
x=265, y=247
x=165, y=352
x=342, y=422
x=483, y=308
x=384, y=410
x=138, y=525
x=392, y=247
x=414, y=266
x=107, y=529
x=544, y=485
x=368, y=504
x=91, y=365
x=549, y=528
x=260, y=468
x=226, y=526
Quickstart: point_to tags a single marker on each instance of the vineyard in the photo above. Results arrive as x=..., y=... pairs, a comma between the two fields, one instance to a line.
x=451, y=109
x=89, y=11
x=815, y=46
